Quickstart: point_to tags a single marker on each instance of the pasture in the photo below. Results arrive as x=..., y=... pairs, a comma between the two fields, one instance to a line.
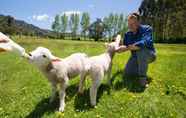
x=25, y=92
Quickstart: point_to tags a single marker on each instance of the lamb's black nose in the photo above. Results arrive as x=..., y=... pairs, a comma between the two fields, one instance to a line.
x=29, y=54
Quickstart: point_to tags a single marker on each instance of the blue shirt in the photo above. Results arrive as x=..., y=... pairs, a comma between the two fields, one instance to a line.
x=143, y=38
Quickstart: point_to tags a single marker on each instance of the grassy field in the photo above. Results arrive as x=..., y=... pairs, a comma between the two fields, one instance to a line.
x=24, y=92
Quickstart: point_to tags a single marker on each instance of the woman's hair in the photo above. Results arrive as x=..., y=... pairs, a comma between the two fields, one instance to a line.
x=134, y=16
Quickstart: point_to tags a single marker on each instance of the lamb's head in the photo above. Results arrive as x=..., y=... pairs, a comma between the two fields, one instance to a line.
x=41, y=57
x=113, y=46
x=8, y=45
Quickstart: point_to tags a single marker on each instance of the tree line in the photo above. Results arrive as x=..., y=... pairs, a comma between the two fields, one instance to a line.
x=167, y=17
x=100, y=29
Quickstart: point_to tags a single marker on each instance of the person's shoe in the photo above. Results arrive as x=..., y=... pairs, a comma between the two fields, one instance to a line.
x=143, y=82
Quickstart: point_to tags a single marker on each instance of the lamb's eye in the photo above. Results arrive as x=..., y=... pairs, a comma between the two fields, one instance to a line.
x=44, y=56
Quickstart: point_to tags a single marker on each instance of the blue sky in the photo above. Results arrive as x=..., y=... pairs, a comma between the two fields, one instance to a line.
x=42, y=12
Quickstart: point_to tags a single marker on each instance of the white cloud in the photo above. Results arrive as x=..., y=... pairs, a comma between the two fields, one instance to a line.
x=68, y=13
x=43, y=17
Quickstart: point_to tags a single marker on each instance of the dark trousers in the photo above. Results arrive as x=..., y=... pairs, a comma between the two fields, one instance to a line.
x=137, y=64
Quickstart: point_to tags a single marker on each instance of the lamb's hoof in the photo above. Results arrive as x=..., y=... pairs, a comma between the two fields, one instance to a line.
x=61, y=109
x=93, y=105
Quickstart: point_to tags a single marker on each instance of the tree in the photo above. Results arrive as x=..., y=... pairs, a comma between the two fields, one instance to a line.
x=56, y=25
x=124, y=27
x=64, y=23
x=115, y=24
x=97, y=30
x=109, y=25
x=74, y=23
x=120, y=22
x=85, y=22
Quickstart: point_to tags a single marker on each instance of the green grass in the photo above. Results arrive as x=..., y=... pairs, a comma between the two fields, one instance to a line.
x=24, y=92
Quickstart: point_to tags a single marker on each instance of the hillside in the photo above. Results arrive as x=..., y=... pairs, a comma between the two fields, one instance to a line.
x=10, y=25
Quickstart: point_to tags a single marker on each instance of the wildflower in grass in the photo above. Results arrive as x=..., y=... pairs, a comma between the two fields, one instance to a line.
x=171, y=114
x=173, y=86
x=134, y=96
x=162, y=93
x=75, y=115
x=98, y=116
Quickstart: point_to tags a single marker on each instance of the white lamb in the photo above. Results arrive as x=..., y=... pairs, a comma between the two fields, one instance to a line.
x=8, y=45
x=59, y=71
x=100, y=65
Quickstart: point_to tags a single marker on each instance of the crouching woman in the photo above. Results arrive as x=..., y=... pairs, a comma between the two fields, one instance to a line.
x=139, y=41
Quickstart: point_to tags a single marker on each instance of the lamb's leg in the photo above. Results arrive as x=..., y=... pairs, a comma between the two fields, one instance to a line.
x=53, y=92
x=62, y=94
x=96, y=81
x=109, y=72
x=81, y=83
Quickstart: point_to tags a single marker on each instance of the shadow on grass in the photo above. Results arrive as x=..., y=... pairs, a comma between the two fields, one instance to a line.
x=82, y=101
x=130, y=83
x=44, y=106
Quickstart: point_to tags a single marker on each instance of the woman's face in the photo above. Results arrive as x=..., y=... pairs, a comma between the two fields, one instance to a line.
x=133, y=24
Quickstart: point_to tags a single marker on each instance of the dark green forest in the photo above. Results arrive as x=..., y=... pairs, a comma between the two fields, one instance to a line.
x=167, y=17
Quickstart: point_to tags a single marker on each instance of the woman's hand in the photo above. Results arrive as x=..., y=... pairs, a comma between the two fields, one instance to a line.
x=121, y=48
x=133, y=47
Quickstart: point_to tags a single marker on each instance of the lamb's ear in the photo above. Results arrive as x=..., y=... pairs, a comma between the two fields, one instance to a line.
x=118, y=39
x=2, y=50
x=106, y=44
x=38, y=48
